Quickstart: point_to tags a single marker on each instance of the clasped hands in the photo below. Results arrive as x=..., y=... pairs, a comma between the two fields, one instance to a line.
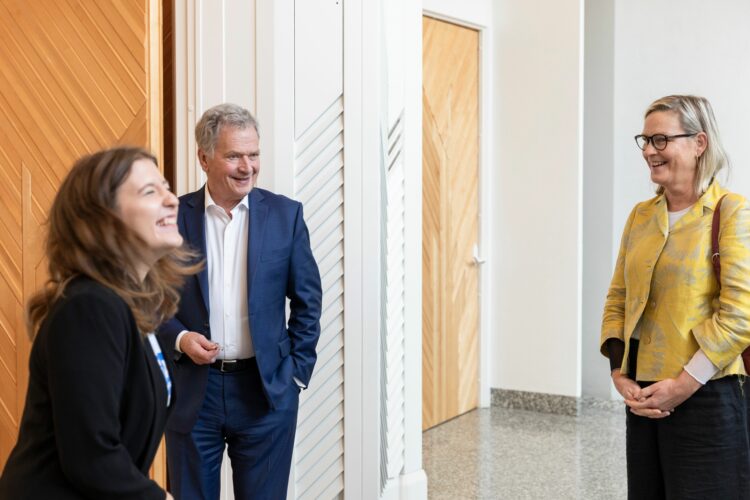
x=659, y=399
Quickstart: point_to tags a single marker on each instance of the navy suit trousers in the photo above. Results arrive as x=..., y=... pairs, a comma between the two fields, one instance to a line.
x=260, y=441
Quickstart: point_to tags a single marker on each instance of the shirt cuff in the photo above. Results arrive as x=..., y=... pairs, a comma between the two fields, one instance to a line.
x=700, y=367
x=299, y=383
x=177, y=341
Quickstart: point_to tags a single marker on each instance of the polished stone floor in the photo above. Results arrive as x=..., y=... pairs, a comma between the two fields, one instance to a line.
x=497, y=453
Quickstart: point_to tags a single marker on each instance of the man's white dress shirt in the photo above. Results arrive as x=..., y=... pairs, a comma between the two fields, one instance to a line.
x=226, y=263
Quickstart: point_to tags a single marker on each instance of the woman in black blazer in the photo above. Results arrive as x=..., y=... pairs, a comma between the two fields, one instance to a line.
x=99, y=389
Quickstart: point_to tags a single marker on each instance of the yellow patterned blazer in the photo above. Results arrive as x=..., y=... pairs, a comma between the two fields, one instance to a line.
x=665, y=281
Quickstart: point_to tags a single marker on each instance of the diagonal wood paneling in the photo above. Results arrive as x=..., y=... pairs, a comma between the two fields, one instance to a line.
x=450, y=291
x=319, y=185
x=74, y=78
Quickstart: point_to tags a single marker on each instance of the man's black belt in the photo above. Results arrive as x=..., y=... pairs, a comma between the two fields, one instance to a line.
x=233, y=365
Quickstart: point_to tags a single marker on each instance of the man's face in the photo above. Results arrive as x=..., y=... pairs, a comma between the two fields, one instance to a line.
x=233, y=168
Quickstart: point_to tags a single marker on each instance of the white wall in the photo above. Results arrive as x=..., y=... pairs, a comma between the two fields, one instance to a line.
x=537, y=196
x=552, y=259
x=633, y=56
x=478, y=12
x=598, y=186
x=640, y=51
x=674, y=47
x=214, y=63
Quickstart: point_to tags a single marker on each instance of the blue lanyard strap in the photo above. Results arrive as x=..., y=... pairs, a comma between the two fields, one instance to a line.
x=162, y=364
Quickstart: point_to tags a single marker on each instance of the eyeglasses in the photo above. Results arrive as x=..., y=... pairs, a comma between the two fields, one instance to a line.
x=659, y=141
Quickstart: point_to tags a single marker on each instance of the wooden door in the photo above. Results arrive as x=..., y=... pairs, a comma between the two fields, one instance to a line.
x=75, y=76
x=450, y=294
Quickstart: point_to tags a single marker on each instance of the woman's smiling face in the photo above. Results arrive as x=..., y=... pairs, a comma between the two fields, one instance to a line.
x=674, y=167
x=147, y=206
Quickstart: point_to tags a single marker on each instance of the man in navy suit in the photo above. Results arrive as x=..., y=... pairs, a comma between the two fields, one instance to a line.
x=240, y=364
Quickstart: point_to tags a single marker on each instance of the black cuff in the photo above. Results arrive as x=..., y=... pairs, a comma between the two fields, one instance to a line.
x=616, y=349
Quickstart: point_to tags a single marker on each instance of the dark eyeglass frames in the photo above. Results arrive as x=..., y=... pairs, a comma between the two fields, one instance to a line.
x=659, y=141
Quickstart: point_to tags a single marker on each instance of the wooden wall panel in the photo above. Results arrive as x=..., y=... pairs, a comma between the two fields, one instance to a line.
x=450, y=293
x=75, y=76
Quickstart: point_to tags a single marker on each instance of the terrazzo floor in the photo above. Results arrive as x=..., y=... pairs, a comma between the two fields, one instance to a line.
x=497, y=453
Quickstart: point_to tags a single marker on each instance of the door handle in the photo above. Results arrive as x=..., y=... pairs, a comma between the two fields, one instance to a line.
x=478, y=261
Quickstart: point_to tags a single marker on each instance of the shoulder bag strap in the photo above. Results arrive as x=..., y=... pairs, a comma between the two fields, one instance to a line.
x=715, y=256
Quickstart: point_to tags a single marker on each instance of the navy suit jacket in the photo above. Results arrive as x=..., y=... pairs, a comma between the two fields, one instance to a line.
x=280, y=265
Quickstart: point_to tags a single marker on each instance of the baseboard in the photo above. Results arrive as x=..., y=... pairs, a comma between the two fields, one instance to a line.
x=391, y=490
x=414, y=485
x=549, y=403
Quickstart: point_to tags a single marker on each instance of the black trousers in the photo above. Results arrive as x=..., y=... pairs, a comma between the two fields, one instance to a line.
x=701, y=451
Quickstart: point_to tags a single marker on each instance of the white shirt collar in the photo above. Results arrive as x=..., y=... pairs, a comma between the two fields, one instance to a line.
x=210, y=201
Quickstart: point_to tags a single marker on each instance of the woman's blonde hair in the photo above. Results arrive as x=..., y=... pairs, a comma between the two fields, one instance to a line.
x=696, y=115
x=86, y=237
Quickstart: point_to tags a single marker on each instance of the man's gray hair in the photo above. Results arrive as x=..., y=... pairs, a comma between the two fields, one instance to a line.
x=208, y=128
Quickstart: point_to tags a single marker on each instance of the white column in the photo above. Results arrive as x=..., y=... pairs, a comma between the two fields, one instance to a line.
x=413, y=481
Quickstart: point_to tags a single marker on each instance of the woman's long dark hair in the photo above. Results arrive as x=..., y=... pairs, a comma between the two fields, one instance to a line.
x=86, y=237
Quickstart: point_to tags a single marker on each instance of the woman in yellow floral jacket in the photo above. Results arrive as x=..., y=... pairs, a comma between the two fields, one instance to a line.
x=672, y=334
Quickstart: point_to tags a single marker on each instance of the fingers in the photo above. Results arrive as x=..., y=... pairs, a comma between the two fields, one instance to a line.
x=200, y=349
x=644, y=404
x=654, y=403
x=649, y=391
x=207, y=344
x=634, y=392
x=650, y=412
x=628, y=389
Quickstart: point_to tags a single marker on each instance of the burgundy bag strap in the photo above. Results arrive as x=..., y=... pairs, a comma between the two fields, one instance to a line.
x=715, y=257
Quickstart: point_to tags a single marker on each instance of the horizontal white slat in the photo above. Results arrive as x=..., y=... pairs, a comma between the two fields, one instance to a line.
x=392, y=443
x=327, y=144
x=325, y=179
x=328, y=378
x=307, y=449
x=322, y=488
x=334, y=490
x=309, y=428
x=327, y=206
x=319, y=184
x=334, y=222
x=334, y=110
x=327, y=186
x=332, y=308
x=333, y=242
